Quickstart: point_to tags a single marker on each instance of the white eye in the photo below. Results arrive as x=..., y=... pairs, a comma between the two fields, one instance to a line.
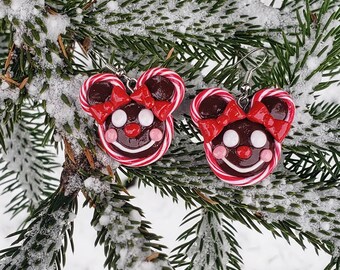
x=119, y=118
x=258, y=138
x=145, y=117
x=230, y=138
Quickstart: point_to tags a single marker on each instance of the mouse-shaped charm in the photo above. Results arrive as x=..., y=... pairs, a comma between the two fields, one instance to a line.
x=136, y=129
x=242, y=148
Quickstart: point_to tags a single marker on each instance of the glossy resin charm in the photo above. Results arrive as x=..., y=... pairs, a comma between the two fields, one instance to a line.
x=242, y=148
x=135, y=129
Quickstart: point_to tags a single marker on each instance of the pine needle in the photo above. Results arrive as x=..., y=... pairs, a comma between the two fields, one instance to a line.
x=89, y=4
x=23, y=83
x=169, y=54
x=109, y=170
x=62, y=47
x=9, y=80
x=89, y=158
x=152, y=257
x=204, y=197
x=9, y=57
x=69, y=152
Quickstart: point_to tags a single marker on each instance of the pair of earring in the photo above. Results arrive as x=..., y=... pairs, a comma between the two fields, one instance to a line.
x=242, y=142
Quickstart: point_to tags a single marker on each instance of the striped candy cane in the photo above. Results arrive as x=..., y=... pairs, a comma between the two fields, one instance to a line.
x=208, y=147
x=179, y=91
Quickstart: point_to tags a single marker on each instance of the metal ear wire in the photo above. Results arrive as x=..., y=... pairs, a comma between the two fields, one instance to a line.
x=245, y=88
x=130, y=82
x=249, y=73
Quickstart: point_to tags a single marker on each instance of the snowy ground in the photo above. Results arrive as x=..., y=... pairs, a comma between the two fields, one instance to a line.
x=259, y=251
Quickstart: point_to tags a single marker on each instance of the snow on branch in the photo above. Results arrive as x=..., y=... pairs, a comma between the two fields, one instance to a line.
x=123, y=232
x=20, y=159
x=308, y=62
x=41, y=245
x=210, y=243
x=25, y=164
x=62, y=103
x=285, y=197
x=171, y=20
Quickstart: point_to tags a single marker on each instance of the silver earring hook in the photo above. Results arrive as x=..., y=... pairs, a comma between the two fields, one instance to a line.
x=130, y=82
x=245, y=88
x=249, y=73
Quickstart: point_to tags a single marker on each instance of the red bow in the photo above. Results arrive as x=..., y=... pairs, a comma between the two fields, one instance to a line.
x=260, y=114
x=101, y=111
x=210, y=128
x=161, y=109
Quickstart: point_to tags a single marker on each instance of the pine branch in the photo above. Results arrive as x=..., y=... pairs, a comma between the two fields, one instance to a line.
x=26, y=166
x=289, y=205
x=211, y=243
x=276, y=200
x=42, y=245
x=127, y=242
x=210, y=23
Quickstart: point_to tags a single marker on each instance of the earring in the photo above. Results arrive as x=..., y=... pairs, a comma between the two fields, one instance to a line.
x=136, y=129
x=242, y=142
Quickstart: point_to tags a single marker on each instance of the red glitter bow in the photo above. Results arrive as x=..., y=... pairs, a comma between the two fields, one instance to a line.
x=101, y=111
x=210, y=128
x=161, y=109
x=260, y=114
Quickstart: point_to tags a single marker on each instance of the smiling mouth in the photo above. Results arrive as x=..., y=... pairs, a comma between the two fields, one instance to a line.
x=134, y=151
x=243, y=170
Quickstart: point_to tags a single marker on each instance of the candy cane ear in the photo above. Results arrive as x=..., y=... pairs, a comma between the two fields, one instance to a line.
x=164, y=84
x=278, y=102
x=215, y=99
x=97, y=89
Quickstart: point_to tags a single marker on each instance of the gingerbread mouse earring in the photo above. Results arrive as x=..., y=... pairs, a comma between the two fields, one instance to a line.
x=243, y=143
x=136, y=129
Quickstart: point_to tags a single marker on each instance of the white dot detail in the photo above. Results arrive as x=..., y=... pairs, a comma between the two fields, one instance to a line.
x=231, y=138
x=119, y=118
x=145, y=117
x=258, y=138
